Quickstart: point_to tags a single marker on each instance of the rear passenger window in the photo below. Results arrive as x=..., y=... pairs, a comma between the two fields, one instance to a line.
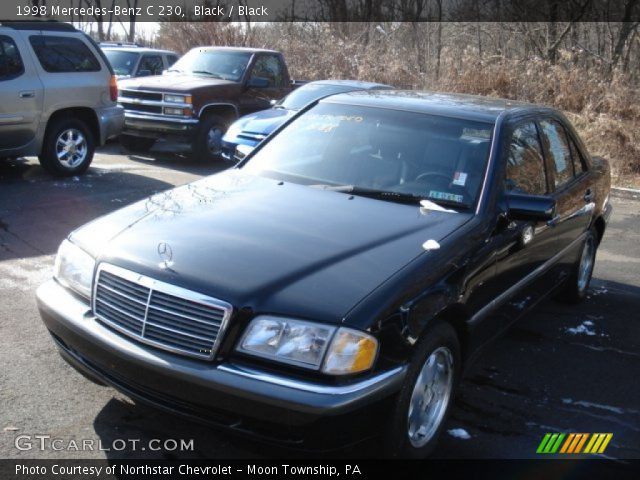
x=579, y=164
x=559, y=151
x=63, y=54
x=10, y=62
x=525, y=164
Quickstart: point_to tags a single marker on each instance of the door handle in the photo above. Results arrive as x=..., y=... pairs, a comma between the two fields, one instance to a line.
x=27, y=94
x=588, y=196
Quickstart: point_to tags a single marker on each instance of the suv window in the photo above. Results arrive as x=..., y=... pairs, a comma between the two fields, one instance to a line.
x=10, y=62
x=269, y=67
x=171, y=59
x=557, y=146
x=525, y=163
x=152, y=63
x=63, y=54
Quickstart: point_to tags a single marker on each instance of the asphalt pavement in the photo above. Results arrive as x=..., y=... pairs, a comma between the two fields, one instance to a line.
x=560, y=369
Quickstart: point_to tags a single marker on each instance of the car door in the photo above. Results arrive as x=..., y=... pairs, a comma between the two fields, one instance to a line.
x=524, y=247
x=21, y=93
x=150, y=65
x=269, y=70
x=571, y=188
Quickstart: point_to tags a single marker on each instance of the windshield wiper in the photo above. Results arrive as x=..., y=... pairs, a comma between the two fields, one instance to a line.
x=174, y=70
x=391, y=196
x=204, y=72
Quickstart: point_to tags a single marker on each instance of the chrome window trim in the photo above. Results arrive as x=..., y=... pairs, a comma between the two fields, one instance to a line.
x=167, y=288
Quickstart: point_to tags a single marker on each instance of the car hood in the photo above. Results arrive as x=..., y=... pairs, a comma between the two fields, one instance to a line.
x=265, y=121
x=172, y=83
x=266, y=245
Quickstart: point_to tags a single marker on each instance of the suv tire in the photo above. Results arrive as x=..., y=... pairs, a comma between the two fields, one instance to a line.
x=68, y=147
x=207, y=145
x=137, y=144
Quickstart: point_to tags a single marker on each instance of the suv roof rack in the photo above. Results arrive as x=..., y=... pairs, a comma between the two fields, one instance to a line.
x=48, y=25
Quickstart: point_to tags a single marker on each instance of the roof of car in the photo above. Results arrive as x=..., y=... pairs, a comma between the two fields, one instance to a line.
x=42, y=25
x=134, y=49
x=471, y=107
x=352, y=83
x=237, y=49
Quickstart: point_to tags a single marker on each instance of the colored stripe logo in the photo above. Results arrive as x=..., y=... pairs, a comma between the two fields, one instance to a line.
x=574, y=443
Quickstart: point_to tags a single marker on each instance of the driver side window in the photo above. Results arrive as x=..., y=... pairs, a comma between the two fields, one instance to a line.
x=525, y=162
x=268, y=67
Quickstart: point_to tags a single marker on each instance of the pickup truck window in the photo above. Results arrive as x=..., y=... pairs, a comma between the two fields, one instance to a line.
x=269, y=67
x=63, y=54
x=214, y=63
x=525, y=164
x=10, y=62
x=152, y=63
x=557, y=147
x=407, y=156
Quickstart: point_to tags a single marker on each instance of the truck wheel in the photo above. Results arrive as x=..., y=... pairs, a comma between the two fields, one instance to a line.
x=425, y=398
x=67, y=148
x=208, y=142
x=137, y=144
x=575, y=288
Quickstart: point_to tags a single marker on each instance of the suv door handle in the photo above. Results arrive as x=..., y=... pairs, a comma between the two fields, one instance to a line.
x=27, y=94
x=588, y=196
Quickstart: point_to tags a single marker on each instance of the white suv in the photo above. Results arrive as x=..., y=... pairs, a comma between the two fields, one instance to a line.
x=58, y=95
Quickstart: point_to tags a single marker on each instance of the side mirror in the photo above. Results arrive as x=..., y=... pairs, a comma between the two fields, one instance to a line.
x=530, y=207
x=258, y=82
x=144, y=73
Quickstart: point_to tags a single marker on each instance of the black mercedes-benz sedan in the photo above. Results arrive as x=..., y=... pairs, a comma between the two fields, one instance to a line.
x=333, y=285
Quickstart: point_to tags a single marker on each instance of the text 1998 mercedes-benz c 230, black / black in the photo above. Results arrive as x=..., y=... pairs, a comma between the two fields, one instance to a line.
x=347, y=270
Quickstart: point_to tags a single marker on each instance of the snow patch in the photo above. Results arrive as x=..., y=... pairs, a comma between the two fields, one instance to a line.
x=460, y=433
x=583, y=329
x=582, y=403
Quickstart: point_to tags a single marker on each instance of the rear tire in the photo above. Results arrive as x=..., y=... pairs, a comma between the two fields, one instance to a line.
x=207, y=145
x=137, y=144
x=68, y=147
x=427, y=394
x=576, y=286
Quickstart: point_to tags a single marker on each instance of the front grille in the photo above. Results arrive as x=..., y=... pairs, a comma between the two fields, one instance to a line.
x=139, y=107
x=158, y=313
x=141, y=95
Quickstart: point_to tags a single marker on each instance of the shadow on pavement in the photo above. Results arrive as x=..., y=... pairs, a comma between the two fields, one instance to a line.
x=38, y=211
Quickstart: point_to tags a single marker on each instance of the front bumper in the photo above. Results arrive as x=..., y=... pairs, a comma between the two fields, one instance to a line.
x=111, y=120
x=157, y=126
x=264, y=405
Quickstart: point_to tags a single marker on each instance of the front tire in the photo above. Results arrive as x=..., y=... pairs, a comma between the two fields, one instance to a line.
x=68, y=147
x=576, y=286
x=207, y=145
x=426, y=396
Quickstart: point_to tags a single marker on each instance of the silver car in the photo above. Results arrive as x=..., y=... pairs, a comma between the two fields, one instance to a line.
x=131, y=60
x=58, y=96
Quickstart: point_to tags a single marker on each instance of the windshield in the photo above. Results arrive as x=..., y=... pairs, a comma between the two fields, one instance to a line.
x=122, y=62
x=311, y=92
x=213, y=63
x=394, y=155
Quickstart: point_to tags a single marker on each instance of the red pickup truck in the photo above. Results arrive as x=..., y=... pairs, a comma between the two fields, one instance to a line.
x=200, y=96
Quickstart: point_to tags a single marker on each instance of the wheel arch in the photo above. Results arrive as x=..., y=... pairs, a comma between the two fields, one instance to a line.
x=228, y=111
x=85, y=114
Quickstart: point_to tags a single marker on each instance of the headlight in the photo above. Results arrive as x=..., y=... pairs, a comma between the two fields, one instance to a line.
x=177, y=111
x=177, y=98
x=74, y=268
x=308, y=344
